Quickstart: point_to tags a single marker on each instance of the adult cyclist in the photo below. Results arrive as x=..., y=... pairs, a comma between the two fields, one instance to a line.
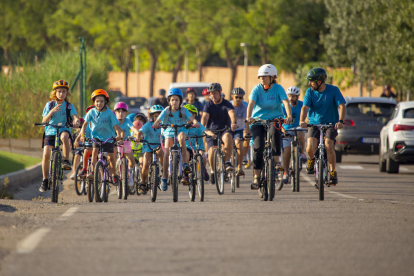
x=240, y=108
x=293, y=94
x=265, y=102
x=322, y=102
x=218, y=113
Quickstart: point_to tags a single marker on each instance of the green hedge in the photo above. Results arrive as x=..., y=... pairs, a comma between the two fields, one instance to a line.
x=25, y=91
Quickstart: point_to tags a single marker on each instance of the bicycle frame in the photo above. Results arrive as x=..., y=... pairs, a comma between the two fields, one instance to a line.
x=101, y=156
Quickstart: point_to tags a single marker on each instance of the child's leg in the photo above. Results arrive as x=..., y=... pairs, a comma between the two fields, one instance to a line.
x=86, y=155
x=64, y=136
x=76, y=161
x=112, y=162
x=94, y=157
x=45, y=162
x=147, y=161
x=168, y=143
x=131, y=160
x=181, y=138
x=160, y=155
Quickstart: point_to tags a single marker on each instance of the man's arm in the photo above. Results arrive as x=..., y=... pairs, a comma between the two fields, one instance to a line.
x=204, y=118
x=288, y=119
x=342, y=111
x=233, y=119
x=303, y=114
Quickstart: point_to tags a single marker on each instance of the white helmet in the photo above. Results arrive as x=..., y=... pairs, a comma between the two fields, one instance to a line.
x=293, y=90
x=267, y=70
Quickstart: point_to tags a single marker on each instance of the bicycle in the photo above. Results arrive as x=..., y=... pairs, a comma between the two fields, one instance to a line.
x=220, y=172
x=154, y=170
x=175, y=166
x=55, y=163
x=322, y=170
x=80, y=183
x=137, y=171
x=234, y=177
x=101, y=174
x=295, y=165
x=123, y=170
x=196, y=177
x=268, y=174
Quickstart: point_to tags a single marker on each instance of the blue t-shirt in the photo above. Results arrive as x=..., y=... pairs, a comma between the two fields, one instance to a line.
x=195, y=132
x=218, y=114
x=268, y=105
x=174, y=120
x=323, y=106
x=102, y=126
x=126, y=126
x=241, y=114
x=58, y=117
x=295, y=115
x=152, y=135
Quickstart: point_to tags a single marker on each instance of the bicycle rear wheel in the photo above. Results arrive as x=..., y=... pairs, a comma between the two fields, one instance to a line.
x=233, y=173
x=270, y=175
x=124, y=175
x=321, y=184
x=155, y=180
x=174, y=176
x=91, y=190
x=264, y=184
x=200, y=177
x=219, y=173
x=99, y=181
x=192, y=186
x=118, y=172
x=297, y=170
x=78, y=181
x=137, y=178
x=55, y=176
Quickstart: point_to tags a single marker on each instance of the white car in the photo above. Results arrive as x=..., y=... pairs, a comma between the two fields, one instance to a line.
x=198, y=87
x=397, y=139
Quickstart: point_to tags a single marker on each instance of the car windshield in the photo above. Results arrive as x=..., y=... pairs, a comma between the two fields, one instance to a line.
x=370, y=109
x=408, y=113
x=133, y=102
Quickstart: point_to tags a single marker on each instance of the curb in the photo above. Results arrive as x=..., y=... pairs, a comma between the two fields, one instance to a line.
x=18, y=178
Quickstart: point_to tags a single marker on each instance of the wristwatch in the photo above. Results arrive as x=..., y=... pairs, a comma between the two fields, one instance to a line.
x=342, y=122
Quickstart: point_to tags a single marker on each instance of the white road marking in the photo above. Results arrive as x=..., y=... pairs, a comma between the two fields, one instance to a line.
x=30, y=242
x=351, y=167
x=312, y=182
x=68, y=213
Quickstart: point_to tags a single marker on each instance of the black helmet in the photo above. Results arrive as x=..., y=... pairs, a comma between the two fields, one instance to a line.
x=141, y=116
x=238, y=91
x=214, y=87
x=316, y=74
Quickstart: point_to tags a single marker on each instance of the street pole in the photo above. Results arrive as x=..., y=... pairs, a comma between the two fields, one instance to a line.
x=246, y=62
x=186, y=67
x=136, y=48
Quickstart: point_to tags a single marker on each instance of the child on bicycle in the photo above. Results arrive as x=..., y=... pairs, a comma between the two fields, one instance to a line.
x=176, y=115
x=127, y=126
x=139, y=120
x=151, y=135
x=197, y=132
x=104, y=125
x=57, y=110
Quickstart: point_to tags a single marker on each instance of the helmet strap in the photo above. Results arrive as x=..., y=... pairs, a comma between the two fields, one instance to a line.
x=318, y=85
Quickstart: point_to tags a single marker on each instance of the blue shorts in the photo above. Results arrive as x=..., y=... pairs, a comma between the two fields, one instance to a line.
x=238, y=134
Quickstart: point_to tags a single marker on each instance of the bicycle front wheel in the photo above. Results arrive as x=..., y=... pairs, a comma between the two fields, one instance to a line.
x=124, y=175
x=270, y=175
x=78, y=181
x=55, y=176
x=99, y=181
x=219, y=173
x=137, y=178
x=296, y=183
x=174, y=176
x=200, y=177
x=155, y=180
x=321, y=183
x=233, y=173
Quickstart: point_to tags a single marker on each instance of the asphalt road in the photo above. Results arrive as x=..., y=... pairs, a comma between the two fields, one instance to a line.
x=365, y=226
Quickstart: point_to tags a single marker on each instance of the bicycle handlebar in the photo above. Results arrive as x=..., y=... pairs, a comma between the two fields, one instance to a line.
x=151, y=144
x=321, y=125
x=174, y=126
x=59, y=125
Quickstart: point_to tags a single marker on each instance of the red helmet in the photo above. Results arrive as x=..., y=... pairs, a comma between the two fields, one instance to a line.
x=81, y=121
x=205, y=92
x=89, y=108
x=190, y=89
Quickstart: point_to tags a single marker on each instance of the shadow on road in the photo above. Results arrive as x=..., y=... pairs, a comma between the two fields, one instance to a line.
x=7, y=208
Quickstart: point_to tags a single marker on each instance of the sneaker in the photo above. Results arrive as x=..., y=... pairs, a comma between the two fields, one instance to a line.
x=240, y=172
x=206, y=176
x=310, y=169
x=245, y=161
x=333, y=178
x=163, y=185
x=44, y=186
x=185, y=180
x=83, y=174
x=285, y=178
x=303, y=158
x=72, y=176
x=229, y=166
x=247, y=165
x=115, y=180
x=66, y=165
x=212, y=179
x=186, y=168
x=142, y=189
x=131, y=178
x=90, y=176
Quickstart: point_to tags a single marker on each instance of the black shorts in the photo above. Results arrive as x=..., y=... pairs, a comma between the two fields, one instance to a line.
x=213, y=142
x=108, y=147
x=330, y=133
x=50, y=139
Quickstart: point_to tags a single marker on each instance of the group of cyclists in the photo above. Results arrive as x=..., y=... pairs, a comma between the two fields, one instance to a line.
x=267, y=101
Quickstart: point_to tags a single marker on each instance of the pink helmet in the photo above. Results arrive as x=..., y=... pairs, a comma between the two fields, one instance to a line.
x=137, y=124
x=121, y=105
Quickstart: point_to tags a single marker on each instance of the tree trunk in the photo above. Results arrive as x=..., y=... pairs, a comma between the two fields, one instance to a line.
x=265, y=59
x=7, y=55
x=153, y=63
x=127, y=64
x=232, y=64
x=199, y=65
x=177, y=68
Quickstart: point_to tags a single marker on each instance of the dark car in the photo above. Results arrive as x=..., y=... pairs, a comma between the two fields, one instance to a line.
x=365, y=117
x=135, y=104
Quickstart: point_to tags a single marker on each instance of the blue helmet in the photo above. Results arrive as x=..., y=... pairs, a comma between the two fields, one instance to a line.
x=175, y=91
x=155, y=109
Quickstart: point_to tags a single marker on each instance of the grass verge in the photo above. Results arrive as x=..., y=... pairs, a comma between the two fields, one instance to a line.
x=11, y=162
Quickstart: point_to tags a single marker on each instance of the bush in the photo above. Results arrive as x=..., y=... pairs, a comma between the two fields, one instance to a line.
x=25, y=91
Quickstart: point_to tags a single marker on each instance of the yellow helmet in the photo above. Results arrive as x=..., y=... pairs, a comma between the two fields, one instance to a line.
x=191, y=108
x=60, y=83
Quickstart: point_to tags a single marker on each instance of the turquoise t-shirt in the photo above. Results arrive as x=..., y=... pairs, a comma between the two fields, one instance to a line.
x=295, y=115
x=195, y=132
x=58, y=117
x=174, y=120
x=126, y=127
x=268, y=104
x=102, y=123
x=323, y=106
x=152, y=135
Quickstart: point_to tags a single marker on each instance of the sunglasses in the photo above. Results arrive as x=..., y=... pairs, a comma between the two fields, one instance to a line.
x=239, y=98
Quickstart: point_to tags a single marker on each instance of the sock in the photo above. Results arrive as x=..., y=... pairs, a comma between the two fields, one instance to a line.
x=45, y=179
x=212, y=171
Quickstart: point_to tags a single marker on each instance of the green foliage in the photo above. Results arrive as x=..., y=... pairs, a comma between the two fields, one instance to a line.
x=25, y=91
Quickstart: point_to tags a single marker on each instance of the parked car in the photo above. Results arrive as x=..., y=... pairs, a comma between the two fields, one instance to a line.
x=147, y=105
x=397, y=139
x=135, y=104
x=365, y=116
x=198, y=87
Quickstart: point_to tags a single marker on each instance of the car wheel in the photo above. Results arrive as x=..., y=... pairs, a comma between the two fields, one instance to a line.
x=392, y=166
x=338, y=157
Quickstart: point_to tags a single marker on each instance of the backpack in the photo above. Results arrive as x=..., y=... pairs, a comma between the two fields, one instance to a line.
x=168, y=115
